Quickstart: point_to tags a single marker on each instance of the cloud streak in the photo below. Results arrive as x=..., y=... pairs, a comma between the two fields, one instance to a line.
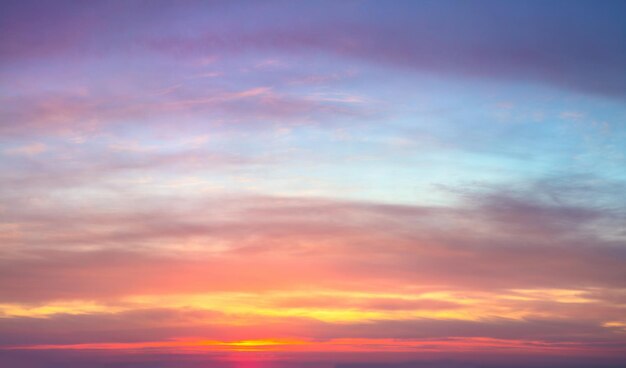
x=312, y=184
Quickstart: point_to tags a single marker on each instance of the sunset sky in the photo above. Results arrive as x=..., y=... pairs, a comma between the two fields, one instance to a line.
x=319, y=184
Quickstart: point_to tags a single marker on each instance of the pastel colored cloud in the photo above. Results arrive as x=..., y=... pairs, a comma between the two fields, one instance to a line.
x=312, y=184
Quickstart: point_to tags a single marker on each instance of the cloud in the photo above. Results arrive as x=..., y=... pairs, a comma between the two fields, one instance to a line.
x=27, y=150
x=485, y=39
x=374, y=303
x=141, y=142
x=63, y=113
x=135, y=327
x=476, y=363
x=253, y=243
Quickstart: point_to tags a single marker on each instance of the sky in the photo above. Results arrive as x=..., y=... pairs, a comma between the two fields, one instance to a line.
x=312, y=184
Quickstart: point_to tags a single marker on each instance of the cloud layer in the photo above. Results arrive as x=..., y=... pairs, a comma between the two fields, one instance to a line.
x=312, y=184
